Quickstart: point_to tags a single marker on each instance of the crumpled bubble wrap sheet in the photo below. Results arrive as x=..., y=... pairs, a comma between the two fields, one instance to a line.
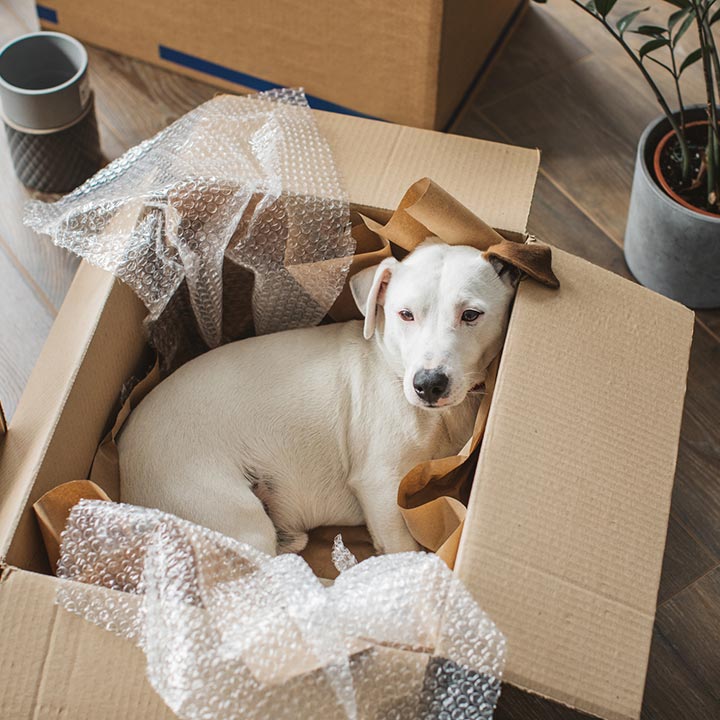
x=247, y=178
x=229, y=632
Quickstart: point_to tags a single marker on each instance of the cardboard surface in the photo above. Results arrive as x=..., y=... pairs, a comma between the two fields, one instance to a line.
x=410, y=63
x=564, y=535
x=379, y=162
x=55, y=665
x=569, y=509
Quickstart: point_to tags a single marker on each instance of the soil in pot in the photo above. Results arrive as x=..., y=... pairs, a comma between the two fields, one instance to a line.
x=668, y=168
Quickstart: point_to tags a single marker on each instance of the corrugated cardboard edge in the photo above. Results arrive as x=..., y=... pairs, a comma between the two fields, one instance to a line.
x=27, y=467
x=480, y=557
x=19, y=462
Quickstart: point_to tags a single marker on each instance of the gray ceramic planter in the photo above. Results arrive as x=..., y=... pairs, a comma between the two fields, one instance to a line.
x=669, y=248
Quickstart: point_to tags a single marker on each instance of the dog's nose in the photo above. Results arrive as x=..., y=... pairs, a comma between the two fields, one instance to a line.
x=430, y=385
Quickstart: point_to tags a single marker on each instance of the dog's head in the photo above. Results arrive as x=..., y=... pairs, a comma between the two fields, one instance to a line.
x=440, y=316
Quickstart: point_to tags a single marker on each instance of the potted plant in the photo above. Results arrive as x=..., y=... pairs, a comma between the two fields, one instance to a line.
x=672, y=237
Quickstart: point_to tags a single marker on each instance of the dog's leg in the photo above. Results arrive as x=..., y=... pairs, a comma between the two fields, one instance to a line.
x=294, y=542
x=227, y=503
x=382, y=514
x=248, y=522
x=212, y=496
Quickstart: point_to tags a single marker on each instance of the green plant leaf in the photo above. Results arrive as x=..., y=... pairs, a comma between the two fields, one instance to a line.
x=689, y=20
x=675, y=18
x=715, y=17
x=650, y=30
x=590, y=5
x=604, y=6
x=693, y=57
x=649, y=47
x=679, y=3
x=624, y=22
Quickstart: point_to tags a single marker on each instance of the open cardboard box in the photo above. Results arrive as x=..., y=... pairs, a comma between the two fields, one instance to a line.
x=409, y=62
x=565, y=531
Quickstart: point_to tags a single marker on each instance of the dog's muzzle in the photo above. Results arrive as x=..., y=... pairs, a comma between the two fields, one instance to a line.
x=431, y=385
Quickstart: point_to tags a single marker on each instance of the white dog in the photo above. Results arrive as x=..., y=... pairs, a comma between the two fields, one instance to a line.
x=266, y=438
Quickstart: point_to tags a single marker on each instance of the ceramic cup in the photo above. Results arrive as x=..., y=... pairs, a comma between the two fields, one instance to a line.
x=48, y=111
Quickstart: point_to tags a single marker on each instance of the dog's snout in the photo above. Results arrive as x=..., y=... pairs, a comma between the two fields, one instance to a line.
x=431, y=385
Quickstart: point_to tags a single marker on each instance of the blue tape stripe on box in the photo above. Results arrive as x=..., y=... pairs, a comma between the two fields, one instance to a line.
x=235, y=76
x=46, y=13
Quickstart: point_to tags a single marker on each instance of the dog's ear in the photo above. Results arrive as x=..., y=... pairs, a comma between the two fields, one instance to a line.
x=532, y=259
x=368, y=290
x=509, y=274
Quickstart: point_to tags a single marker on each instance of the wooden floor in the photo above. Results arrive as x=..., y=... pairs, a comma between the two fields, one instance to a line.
x=563, y=86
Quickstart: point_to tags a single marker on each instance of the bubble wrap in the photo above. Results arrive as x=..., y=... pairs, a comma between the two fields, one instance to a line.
x=247, y=178
x=231, y=633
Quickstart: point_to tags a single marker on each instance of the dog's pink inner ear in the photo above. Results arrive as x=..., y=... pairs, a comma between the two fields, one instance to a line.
x=382, y=290
x=379, y=287
x=369, y=288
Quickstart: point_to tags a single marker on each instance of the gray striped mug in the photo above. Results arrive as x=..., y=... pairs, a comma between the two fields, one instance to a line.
x=48, y=111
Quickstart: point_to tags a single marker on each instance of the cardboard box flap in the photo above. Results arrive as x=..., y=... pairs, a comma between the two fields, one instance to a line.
x=565, y=531
x=380, y=161
x=93, y=347
x=54, y=664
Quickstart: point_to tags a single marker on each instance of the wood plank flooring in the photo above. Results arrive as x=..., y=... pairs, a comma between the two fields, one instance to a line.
x=562, y=85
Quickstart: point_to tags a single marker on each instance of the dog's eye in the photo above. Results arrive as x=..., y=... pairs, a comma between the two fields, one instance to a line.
x=471, y=315
x=406, y=315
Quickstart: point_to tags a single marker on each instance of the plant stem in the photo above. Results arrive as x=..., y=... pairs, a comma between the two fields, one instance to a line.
x=713, y=48
x=676, y=78
x=685, y=151
x=712, y=157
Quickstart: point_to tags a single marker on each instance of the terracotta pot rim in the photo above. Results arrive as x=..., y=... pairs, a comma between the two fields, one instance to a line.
x=661, y=178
